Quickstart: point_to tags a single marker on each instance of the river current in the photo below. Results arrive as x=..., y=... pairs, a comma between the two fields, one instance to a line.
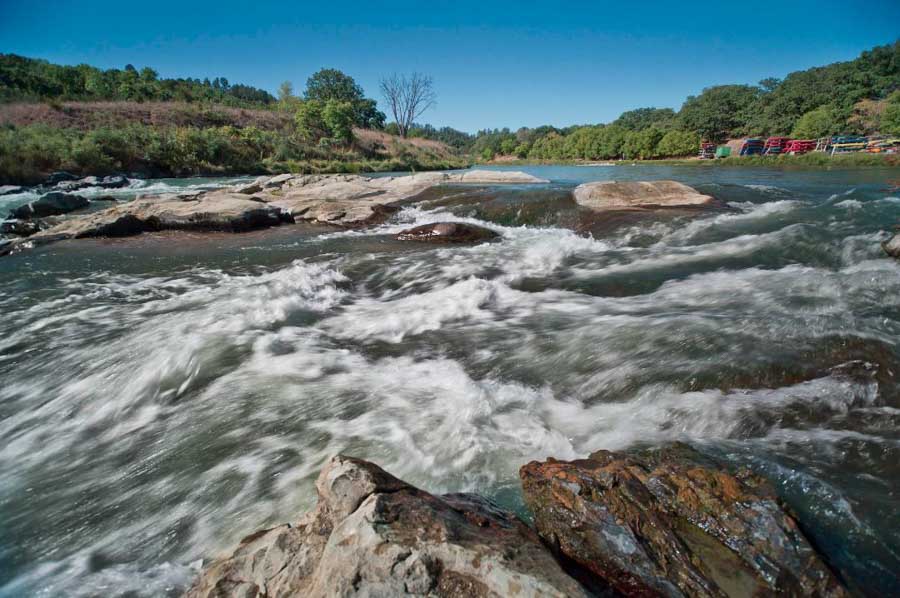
x=165, y=395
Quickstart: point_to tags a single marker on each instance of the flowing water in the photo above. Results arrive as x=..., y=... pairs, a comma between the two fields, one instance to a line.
x=162, y=396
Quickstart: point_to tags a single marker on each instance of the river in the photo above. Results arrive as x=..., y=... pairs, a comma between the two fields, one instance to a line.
x=165, y=395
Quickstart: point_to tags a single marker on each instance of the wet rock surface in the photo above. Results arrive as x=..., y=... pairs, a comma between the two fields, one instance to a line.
x=668, y=523
x=347, y=201
x=605, y=195
x=374, y=535
x=214, y=211
x=51, y=204
x=448, y=232
x=20, y=228
x=892, y=246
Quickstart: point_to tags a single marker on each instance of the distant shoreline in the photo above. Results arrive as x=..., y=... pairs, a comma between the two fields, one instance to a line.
x=814, y=161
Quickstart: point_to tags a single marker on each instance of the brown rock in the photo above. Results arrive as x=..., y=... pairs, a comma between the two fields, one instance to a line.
x=213, y=211
x=374, y=535
x=892, y=246
x=448, y=232
x=667, y=523
x=604, y=195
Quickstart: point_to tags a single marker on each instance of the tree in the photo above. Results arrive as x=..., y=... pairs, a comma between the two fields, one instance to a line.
x=820, y=122
x=338, y=118
x=285, y=92
x=678, y=143
x=408, y=98
x=719, y=112
x=890, y=118
x=332, y=84
x=641, y=118
x=310, y=120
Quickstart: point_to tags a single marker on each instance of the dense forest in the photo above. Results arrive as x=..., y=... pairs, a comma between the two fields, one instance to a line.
x=319, y=129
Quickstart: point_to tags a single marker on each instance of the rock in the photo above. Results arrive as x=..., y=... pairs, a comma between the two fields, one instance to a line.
x=250, y=188
x=668, y=523
x=506, y=177
x=10, y=189
x=448, y=232
x=374, y=535
x=892, y=246
x=605, y=195
x=115, y=181
x=50, y=205
x=344, y=200
x=58, y=177
x=108, y=182
x=104, y=198
x=277, y=181
x=219, y=211
x=20, y=228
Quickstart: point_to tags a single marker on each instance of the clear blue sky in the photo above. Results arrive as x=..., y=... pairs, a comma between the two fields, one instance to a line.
x=494, y=63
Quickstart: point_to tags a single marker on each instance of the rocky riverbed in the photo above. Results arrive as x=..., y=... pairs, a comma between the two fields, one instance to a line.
x=554, y=383
x=347, y=201
x=665, y=522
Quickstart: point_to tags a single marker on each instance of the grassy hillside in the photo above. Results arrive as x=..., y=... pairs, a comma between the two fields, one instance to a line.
x=85, y=116
x=180, y=139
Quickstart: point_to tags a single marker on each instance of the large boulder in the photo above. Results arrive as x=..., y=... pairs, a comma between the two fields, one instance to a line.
x=50, y=204
x=448, y=232
x=604, y=195
x=892, y=246
x=374, y=535
x=668, y=523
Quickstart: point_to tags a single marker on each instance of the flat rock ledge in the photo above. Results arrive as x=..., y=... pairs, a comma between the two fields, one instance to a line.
x=662, y=522
x=618, y=195
x=347, y=201
x=374, y=535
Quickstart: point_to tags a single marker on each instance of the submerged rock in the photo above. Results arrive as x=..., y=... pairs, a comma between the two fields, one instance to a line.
x=448, y=232
x=603, y=195
x=374, y=535
x=10, y=189
x=50, y=204
x=114, y=181
x=58, y=177
x=667, y=523
x=20, y=228
x=892, y=246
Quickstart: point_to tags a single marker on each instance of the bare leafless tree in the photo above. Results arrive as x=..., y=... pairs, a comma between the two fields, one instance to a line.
x=408, y=97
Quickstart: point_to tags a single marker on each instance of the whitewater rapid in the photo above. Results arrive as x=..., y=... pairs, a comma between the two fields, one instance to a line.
x=155, y=406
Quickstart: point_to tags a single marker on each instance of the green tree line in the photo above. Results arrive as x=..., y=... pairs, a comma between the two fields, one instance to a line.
x=860, y=96
x=32, y=80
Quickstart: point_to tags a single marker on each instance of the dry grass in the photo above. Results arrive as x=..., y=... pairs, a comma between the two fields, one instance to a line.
x=385, y=144
x=92, y=115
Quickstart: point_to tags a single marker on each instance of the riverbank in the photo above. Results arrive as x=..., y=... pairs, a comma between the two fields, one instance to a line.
x=813, y=160
x=29, y=153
